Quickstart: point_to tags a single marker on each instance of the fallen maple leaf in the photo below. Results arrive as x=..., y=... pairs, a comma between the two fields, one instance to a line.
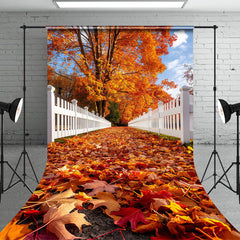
x=148, y=197
x=41, y=236
x=178, y=224
x=158, y=202
x=233, y=235
x=83, y=196
x=14, y=231
x=133, y=215
x=153, y=224
x=213, y=222
x=64, y=197
x=105, y=199
x=175, y=208
x=57, y=217
x=152, y=177
x=99, y=186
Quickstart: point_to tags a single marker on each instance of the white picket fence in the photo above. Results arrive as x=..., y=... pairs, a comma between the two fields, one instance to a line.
x=174, y=118
x=67, y=119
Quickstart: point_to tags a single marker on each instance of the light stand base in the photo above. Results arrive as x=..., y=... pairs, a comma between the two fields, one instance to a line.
x=215, y=156
x=2, y=190
x=23, y=156
x=219, y=180
x=237, y=163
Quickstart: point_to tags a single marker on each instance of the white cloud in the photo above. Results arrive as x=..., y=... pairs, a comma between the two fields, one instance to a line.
x=172, y=64
x=178, y=78
x=183, y=47
x=179, y=71
x=181, y=38
x=173, y=92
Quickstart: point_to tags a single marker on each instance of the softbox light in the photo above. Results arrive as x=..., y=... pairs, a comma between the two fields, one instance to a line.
x=226, y=110
x=14, y=109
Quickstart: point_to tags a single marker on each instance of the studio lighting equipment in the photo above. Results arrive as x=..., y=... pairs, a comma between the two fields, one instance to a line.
x=14, y=110
x=214, y=157
x=24, y=154
x=225, y=111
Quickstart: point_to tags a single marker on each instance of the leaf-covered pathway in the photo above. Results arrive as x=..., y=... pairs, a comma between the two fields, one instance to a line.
x=119, y=183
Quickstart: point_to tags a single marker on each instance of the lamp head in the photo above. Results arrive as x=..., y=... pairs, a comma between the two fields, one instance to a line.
x=14, y=109
x=226, y=110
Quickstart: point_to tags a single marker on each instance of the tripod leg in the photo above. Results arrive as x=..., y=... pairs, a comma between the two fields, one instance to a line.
x=224, y=170
x=214, y=186
x=24, y=166
x=19, y=177
x=209, y=161
x=32, y=167
x=15, y=170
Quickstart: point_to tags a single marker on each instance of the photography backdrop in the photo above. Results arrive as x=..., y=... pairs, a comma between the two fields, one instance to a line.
x=123, y=69
x=227, y=63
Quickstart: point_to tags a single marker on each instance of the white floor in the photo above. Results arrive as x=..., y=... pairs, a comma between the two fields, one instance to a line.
x=226, y=201
x=14, y=198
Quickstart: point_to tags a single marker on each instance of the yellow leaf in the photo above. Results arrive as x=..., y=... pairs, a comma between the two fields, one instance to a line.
x=14, y=231
x=175, y=208
x=190, y=148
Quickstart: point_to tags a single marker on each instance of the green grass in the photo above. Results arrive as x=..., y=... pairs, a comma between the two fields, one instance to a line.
x=62, y=140
x=166, y=137
x=190, y=144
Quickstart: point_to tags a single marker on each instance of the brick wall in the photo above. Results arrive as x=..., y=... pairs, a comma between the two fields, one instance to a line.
x=228, y=64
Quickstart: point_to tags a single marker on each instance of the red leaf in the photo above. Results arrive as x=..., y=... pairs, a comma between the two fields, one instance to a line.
x=133, y=215
x=34, y=213
x=141, y=165
x=161, y=238
x=162, y=194
x=148, y=197
x=41, y=236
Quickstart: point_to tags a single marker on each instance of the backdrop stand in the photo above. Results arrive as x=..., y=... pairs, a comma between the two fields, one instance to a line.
x=24, y=155
x=214, y=155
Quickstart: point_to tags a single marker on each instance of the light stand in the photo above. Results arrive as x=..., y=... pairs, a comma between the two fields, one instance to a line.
x=24, y=153
x=14, y=110
x=225, y=111
x=214, y=155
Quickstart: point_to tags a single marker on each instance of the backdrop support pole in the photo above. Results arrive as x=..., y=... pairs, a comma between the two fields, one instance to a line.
x=214, y=155
x=2, y=160
x=24, y=155
x=237, y=159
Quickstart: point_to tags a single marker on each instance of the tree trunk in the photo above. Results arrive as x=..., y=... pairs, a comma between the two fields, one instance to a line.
x=101, y=107
x=104, y=103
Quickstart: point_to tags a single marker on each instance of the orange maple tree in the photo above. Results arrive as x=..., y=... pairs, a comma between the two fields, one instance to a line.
x=96, y=65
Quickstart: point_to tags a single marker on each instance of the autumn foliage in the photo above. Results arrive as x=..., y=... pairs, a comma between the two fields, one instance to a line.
x=143, y=182
x=99, y=65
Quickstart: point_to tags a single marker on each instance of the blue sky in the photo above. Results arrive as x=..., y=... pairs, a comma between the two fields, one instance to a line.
x=179, y=54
